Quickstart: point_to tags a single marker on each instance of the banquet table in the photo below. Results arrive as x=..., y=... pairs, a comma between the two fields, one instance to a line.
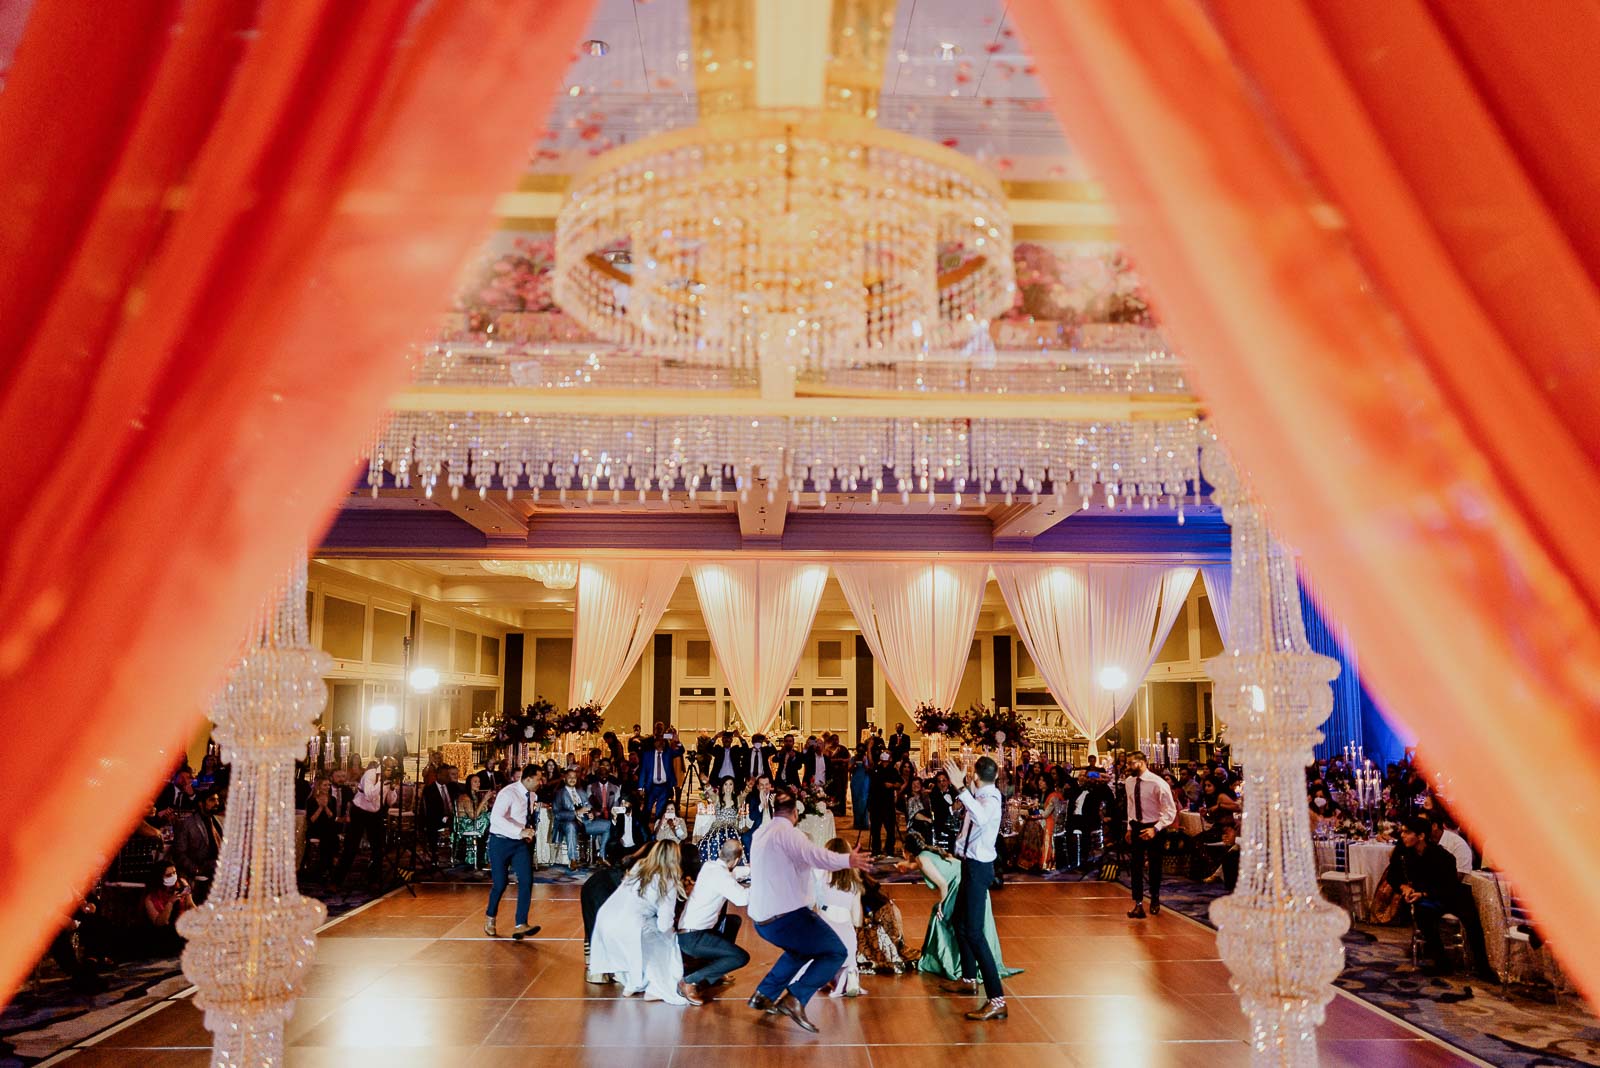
x=1368, y=859
x=702, y=824
x=1191, y=824
x=818, y=828
x=1492, y=913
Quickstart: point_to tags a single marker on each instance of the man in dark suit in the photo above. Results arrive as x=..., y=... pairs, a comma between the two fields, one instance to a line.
x=658, y=778
x=724, y=763
x=814, y=771
x=196, y=843
x=757, y=761
x=786, y=764
x=757, y=808
x=899, y=743
x=435, y=807
x=882, y=796
x=177, y=798
x=630, y=837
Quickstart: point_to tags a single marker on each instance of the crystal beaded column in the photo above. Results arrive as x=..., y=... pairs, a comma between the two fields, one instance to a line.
x=250, y=944
x=1280, y=939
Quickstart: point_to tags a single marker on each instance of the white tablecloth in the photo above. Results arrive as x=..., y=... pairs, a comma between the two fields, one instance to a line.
x=818, y=828
x=702, y=825
x=1191, y=824
x=1369, y=859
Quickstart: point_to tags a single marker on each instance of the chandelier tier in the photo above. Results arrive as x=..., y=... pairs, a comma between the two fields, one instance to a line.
x=555, y=574
x=785, y=238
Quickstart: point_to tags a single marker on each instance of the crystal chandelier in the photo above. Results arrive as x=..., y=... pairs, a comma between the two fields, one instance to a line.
x=785, y=238
x=555, y=574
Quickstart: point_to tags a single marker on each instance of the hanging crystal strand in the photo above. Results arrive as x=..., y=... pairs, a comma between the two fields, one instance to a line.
x=1280, y=939
x=251, y=943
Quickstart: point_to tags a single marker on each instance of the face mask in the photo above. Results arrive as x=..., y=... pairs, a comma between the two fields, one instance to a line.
x=1320, y=802
x=169, y=880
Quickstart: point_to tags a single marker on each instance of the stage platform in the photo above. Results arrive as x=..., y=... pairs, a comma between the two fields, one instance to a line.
x=413, y=982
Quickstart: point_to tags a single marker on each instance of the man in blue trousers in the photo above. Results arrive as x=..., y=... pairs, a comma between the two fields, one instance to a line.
x=510, y=831
x=658, y=778
x=781, y=863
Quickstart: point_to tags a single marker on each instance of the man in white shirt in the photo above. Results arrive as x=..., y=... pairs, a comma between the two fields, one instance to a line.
x=1453, y=844
x=510, y=830
x=629, y=835
x=781, y=864
x=975, y=845
x=1151, y=810
x=706, y=930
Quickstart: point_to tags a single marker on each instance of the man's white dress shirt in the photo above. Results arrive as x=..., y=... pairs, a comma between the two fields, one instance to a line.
x=980, y=825
x=512, y=812
x=714, y=885
x=781, y=861
x=368, y=795
x=1150, y=800
x=1458, y=848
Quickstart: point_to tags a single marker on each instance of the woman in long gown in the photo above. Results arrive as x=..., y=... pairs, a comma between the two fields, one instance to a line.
x=941, y=955
x=1039, y=834
x=634, y=933
x=724, y=826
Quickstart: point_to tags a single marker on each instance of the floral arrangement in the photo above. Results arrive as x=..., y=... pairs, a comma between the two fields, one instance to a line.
x=520, y=279
x=585, y=719
x=813, y=801
x=996, y=729
x=1084, y=288
x=931, y=719
x=537, y=723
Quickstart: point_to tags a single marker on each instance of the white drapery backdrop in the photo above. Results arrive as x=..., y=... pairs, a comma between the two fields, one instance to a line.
x=1078, y=620
x=759, y=614
x=619, y=604
x=918, y=620
x=1219, y=591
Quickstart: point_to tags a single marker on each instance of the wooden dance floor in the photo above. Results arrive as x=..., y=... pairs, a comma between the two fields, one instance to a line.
x=414, y=982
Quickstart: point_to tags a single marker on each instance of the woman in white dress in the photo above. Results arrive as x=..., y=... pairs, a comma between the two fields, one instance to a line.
x=838, y=896
x=635, y=936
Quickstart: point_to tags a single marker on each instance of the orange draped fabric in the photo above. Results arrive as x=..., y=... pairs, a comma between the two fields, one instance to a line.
x=1372, y=229
x=221, y=225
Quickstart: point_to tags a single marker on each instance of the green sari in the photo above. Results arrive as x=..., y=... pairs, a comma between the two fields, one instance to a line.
x=941, y=955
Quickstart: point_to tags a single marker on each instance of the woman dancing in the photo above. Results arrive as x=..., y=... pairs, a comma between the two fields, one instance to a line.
x=941, y=871
x=634, y=937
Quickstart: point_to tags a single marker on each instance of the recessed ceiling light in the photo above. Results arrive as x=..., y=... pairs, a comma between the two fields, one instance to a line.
x=948, y=51
x=596, y=48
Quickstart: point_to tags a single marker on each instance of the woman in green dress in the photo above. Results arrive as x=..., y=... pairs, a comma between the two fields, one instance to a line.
x=941, y=871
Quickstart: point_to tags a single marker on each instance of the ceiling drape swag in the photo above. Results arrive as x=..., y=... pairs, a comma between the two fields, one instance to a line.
x=1079, y=619
x=918, y=620
x=619, y=604
x=1371, y=229
x=759, y=614
x=1219, y=592
x=215, y=246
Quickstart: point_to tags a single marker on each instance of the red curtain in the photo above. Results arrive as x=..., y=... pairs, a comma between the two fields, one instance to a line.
x=1372, y=230
x=221, y=225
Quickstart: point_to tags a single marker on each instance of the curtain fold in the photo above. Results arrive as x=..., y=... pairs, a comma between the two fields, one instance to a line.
x=216, y=246
x=1343, y=726
x=1082, y=623
x=1371, y=230
x=918, y=620
x=619, y=604
x=1219, y=592
x=759, y=614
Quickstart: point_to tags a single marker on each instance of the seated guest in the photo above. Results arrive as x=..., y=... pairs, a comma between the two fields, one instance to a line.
x=196, y=843
x=881, y=939
x=707, y=932
x=1424, y=875
x=166, y=897
x=757, y=809
x=1452, y=843
x=149, y=825
x=919, y=810
x=671, y=828
x=572, y=809
x=629, y=836
x=942, y=805
x=1227, y=872
x=322, y=825
x=177, y=797
x=435, y=806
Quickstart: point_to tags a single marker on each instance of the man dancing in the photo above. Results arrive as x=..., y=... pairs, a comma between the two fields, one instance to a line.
x=510, y=830
x=782, y=860
x=980, y=826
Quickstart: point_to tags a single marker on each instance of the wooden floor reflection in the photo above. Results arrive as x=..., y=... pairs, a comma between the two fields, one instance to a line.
x=414, y=982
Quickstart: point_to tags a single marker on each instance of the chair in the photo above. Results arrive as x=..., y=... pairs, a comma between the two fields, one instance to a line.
x=1517, y=930
x=1452, y=938
x=1351, y=887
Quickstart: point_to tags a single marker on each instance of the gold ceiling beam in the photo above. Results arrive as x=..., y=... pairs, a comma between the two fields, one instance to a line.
x=807, y=403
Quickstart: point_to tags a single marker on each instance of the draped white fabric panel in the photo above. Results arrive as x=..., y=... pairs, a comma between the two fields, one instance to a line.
x=1219, y=591
x=918, y=620
x=619, y=604
x=759, y=613
x=1079, y=620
